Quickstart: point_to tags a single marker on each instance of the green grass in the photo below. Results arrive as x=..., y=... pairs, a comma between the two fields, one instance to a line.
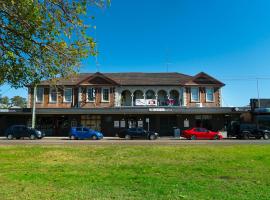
x=135, y=172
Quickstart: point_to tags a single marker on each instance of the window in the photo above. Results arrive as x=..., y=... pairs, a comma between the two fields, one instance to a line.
x=203, y=130
x=91, y=94
x=53, y=95
x=195, y=94
x=67, y=94
x=85, y=129
x=105, y=94
x=209, y=92
x=78, y=129
x=140, y=129
x=39, y=97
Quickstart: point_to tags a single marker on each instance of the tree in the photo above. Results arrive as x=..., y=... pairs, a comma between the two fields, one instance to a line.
x=44, y=39
x=4, y=101
x=18, y=101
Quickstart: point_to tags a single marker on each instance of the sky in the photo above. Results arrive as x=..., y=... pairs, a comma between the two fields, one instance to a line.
x=228, y=39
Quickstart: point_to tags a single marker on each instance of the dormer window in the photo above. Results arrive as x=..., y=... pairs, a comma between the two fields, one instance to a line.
x=209, y=92
x=40, y=94
x=91, y=94
x=195, y=95
x=105, y=95
x=53, y=95
x=68, y=95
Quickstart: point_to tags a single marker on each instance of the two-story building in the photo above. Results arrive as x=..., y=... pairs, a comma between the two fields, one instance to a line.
x=112, y=101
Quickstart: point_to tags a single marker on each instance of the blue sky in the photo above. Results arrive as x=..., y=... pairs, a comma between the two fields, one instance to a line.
x=227, y=39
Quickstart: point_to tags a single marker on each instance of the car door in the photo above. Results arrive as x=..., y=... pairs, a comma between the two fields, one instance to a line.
x=197, y=133
x=133, y=132
x=24, y=131
x=205, y=133
x=79, y=132
x=140, y=132
x=86, y=133
x=15, y=131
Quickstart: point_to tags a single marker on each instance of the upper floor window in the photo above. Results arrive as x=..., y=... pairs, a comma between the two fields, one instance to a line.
x=195, y=96
x=53, y=95
x=68, y=95
x=105, y=94
x=209, y=92
x=40, y=93
x=91, y=94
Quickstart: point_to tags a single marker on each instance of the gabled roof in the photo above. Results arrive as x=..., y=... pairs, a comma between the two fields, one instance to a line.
x=204, y=79
x=97, y=75
x=141, y=79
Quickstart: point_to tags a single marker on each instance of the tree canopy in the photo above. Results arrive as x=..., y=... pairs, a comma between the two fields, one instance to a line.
x=18, y=101
x=44, y=39
x=4, y=101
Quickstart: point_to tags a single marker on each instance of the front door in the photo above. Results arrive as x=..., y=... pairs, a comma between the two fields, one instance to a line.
x=91, y=121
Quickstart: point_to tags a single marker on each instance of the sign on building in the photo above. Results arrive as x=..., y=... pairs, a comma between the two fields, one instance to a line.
x=146, y=102
x=123, y=124
x=186, y=123
x=140, y=102
x=116, y=124
x=140, y=123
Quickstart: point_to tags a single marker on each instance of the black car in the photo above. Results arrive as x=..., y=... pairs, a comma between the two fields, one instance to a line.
x=249, y=130
x=137, y=133
x=20, y=131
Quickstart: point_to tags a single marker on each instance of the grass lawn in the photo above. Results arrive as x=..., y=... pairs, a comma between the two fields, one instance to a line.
x=135, y=172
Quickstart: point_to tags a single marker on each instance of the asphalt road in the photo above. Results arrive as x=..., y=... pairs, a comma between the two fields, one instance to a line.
x=116, y=141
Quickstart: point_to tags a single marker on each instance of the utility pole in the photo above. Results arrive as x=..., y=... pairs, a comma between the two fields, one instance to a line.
x=34, y=107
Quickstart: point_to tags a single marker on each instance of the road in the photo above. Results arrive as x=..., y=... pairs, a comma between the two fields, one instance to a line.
x=116, y=141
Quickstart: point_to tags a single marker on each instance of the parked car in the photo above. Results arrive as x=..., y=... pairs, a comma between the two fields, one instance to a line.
x=21, y=131
x=131, y=133
x=201, y=133
x=248, y=131
x=84, y=133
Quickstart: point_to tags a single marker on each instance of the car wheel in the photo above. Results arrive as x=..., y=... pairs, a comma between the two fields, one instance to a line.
x=245, y=136
x=266, y=136
x=193, y=137
x=32, y=137
x=9, y=136
x=216, y=137
x=127, y=137
x=238, y=137
x=152, y=137
x=94, y=137
x=72, y=137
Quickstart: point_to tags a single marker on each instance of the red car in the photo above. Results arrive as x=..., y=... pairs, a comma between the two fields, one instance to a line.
x=201, y=133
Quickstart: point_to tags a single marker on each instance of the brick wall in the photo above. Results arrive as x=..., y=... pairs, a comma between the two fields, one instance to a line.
x=216, y=102
x=98, y=100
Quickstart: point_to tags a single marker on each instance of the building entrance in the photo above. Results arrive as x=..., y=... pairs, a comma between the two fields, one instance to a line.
x=91, y=121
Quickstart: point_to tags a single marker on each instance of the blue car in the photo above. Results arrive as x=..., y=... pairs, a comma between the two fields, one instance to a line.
x=84, y=133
